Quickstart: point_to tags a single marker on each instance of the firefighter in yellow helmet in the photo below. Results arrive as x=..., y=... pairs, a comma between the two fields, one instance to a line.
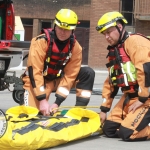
x=128, y=66
x=54, y=64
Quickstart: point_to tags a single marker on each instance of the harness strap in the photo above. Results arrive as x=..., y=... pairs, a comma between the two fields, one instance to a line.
x=71, y=42
x=56, y=67
x=69, y=53
x=134, y=87
x=111, y=63
x=51, y=77
x=111, y=54
x=120, y=81
x=62, y=54
x=50, y=36
x=57, y=61
x=117, y=61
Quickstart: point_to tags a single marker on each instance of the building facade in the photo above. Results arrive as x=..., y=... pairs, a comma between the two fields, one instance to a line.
x=38, y=14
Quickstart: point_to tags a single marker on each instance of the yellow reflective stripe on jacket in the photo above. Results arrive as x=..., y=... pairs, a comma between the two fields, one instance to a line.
x=124, y=75
x=130, y=71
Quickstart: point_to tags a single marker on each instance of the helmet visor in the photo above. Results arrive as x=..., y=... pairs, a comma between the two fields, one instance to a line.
x=64, y=24
x=100, y=27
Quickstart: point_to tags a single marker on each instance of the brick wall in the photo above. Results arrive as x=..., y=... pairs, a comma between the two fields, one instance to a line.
x=142, y=27
x=85, y=9
x=46, y=9
x=98, y=44
x=142, y=11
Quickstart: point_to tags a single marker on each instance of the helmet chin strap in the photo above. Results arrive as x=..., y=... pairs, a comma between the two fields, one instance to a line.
x=120, y=32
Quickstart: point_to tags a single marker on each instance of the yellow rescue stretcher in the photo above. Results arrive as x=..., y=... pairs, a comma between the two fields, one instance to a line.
x=27, y=130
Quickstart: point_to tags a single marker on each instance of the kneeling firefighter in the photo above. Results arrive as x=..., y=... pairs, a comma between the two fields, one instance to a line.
x=54, y=64
x=129, y=70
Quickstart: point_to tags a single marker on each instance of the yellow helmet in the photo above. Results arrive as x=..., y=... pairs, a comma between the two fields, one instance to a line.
x=108, y=20
x=66, y=19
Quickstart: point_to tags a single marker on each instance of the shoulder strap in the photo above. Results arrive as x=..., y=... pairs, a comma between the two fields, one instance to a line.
x=50, y=36
x=72, y=39
x=47, y=33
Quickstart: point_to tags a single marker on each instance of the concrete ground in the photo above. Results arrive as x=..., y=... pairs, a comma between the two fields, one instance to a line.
x=99, y=142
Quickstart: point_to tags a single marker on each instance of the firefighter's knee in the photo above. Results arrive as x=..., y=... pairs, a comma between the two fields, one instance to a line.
x=80, y=101
x=86, y=78
x=110, y=129
x=88, y=72
x=125, y=133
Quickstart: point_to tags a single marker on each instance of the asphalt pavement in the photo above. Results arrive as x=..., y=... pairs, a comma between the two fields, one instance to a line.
x=98, y=142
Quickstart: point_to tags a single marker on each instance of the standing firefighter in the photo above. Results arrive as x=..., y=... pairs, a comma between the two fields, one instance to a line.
x=129, y=69
x=54, y=64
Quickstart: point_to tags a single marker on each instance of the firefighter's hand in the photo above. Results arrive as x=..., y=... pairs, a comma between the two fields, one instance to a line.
x=53, y=108
x=134, y=106
x=44, y=107
x=103, y=116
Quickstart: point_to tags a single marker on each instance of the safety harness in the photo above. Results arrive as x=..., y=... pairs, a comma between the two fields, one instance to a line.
x=56, y=61
x=122, y=72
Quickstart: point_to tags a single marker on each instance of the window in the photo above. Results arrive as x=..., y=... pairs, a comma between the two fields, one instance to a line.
x=46, y=24
x=127, y=10
x=26, y=21
x=84, y=24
